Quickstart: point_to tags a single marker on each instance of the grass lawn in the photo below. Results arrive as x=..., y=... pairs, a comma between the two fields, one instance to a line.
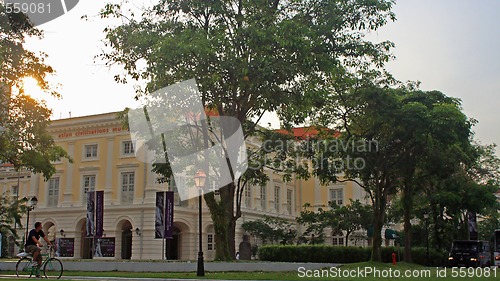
x=349, y=272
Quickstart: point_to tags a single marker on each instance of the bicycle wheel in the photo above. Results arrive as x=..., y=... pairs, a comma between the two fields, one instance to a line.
x=53, y=269
x=24, y=268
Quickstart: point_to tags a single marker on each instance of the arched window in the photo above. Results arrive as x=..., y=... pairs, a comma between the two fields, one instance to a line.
x=337, y=238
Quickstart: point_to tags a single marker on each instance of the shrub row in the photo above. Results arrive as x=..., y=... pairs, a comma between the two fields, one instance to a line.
x=335, y=254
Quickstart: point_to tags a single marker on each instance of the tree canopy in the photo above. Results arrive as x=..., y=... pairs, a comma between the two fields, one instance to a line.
x=248, y=57
x=24, y=140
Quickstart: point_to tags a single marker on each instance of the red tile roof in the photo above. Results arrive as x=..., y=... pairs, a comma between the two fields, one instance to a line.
x=306, y=132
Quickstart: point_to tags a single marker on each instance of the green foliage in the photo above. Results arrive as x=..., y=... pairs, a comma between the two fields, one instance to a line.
x=335, y=254
x=487, y=226
x=248, y=57
x=15, y=61
x=313, y=253
x=11, y=211
x=348, y=218
x=272, y=230
x=25, y=141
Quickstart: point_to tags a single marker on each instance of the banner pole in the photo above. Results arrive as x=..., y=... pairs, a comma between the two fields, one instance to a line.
x=163, y=248
x=94, y=218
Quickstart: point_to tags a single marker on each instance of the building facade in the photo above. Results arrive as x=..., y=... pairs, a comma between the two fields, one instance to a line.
x=103, y=159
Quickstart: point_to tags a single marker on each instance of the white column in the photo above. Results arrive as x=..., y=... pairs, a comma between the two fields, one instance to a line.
x=67, y=199
x=108, y=189
x=317, y=193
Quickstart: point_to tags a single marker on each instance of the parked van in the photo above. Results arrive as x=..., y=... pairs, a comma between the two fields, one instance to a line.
x=470, y=253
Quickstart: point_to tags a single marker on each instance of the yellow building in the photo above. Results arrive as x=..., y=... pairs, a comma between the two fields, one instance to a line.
x=104, y=160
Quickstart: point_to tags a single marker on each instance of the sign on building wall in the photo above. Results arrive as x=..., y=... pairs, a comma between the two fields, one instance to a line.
x=104, y=247
x=65, y=247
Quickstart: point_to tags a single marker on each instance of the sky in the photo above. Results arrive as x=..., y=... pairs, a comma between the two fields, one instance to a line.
x=448, y=45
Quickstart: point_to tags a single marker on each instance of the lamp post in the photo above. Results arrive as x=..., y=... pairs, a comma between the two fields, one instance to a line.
x=199, y=181
x=426, y=217
x=31, y=206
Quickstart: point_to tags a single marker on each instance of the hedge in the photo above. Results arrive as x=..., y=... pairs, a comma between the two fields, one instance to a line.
x=350, y=254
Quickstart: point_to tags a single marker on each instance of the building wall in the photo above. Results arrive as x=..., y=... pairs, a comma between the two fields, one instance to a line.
x=123, y=218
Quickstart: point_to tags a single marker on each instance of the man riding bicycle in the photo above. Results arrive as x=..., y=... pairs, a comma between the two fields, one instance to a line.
x=33, y=244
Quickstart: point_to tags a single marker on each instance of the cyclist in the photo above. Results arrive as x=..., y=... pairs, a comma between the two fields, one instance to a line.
x=33, y=244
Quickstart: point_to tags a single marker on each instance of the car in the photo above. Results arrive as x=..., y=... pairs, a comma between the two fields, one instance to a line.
x=469, y=253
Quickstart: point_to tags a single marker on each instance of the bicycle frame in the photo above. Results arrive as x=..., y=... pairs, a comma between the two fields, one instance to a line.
x=31, y=270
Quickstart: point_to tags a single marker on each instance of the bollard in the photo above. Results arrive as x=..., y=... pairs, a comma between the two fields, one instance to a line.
x=394, y=258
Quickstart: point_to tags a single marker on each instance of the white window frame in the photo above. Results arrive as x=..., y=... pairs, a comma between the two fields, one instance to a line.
x=263, y=197
x=92, y=157
x=210, y=242
x=90, y=188
x=247, y=194
x=338, y=239
x=14, y=190
x=289, y=200
x=277, y=198
x=131, y=151
x=127, y=196
x=53, y=199
x=333, y=195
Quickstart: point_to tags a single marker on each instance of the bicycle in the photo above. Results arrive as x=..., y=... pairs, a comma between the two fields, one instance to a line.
x=52, y=267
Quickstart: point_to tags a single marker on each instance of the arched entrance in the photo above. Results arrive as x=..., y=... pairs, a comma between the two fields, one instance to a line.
x=125, y=227
x=81, y=240
x=86, y=251
x=49, y=228
x=172, y=245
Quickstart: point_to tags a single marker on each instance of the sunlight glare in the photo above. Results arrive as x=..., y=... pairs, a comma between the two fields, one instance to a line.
x=32, y=89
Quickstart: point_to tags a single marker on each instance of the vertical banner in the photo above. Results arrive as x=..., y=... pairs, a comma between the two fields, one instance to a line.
x=169, y=214
x=472, y=226
x=99, y=214
x=90, y=214
x=160, y=215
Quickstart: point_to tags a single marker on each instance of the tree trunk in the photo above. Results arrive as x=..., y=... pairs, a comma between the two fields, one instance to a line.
x=379, y=206
x=378, y=222
x=222, y=214
x=407, y=208
x=347, y=238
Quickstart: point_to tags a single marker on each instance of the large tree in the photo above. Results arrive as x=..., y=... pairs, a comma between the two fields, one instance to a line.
x=249, y=57
x=385, y=130
x=24, y=140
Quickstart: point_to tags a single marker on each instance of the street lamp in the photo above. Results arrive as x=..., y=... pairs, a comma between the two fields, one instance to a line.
x=199, y=181
x=426, y=217
x=31, y=206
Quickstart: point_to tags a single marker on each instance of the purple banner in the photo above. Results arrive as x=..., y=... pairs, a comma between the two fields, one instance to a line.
x=99, y=214
x=169, y=215
x=160, y=215
x=90, y=227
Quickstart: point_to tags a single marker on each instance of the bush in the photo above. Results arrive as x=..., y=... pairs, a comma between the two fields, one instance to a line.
x=313, y=253
x=350, y=254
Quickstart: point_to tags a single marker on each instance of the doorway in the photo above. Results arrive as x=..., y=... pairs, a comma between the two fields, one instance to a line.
x=172, y=245
x=126, y=240
x=86, y=248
